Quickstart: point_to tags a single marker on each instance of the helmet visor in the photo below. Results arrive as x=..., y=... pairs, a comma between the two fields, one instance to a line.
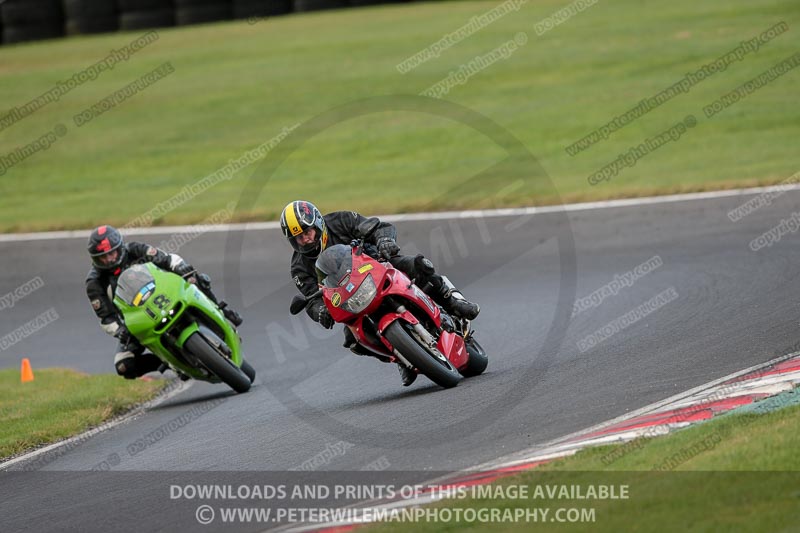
x=109, y=259
x=308, y=241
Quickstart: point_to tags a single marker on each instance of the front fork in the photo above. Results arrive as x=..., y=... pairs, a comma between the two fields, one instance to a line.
x=401, y=310
x=424, y=335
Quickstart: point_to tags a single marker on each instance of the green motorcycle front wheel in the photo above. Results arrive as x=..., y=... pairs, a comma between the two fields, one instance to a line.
x=216, y=363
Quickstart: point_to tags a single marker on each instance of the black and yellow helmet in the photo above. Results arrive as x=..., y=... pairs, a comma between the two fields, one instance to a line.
x=299, y=216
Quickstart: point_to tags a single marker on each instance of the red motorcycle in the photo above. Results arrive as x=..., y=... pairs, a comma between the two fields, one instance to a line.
x=393, y=318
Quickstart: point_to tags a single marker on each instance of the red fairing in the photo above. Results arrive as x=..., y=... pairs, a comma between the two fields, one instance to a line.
x=357, y=329
x=388, y=282
x=400, y=287
x=388, y=319
x=453, y=345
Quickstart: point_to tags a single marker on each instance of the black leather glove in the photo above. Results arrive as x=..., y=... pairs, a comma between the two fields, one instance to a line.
x=204, y=281
x=123, y=334
x=387, y=247
x=319, y=313
x=183, y=270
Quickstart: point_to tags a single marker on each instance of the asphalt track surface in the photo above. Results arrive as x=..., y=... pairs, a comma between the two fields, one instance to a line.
x=316, y=406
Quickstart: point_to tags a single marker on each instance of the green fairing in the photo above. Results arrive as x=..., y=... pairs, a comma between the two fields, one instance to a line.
x=171, y=293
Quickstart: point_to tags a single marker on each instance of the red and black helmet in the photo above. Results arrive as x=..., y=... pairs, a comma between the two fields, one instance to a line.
x=107, y=248
x=297, y=218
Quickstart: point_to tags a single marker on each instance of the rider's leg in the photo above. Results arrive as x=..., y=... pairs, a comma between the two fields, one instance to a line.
x=437, y=287
x=352, y=344
x=446, y=295
x=406, y=376
x=131, y=362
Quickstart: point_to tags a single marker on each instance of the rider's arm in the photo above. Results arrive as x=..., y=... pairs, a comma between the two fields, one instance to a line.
x=347, y=222
x=150, y=254
x=97, y=291
x=385, y=230
x=304, y=276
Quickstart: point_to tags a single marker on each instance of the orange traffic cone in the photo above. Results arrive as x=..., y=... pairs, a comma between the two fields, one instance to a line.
x=26, y=371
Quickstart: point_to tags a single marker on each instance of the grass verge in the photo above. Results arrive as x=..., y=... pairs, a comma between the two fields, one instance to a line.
x=61, y=403
x=734, y=473
x=237, y=85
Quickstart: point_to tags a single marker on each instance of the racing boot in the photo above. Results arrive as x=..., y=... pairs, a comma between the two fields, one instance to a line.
x=455, y=303
x=406, y=375
x=352, y=344
x=462, y=308
x=443, y=291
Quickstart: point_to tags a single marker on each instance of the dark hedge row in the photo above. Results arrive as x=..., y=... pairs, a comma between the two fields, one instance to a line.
x=28, y=20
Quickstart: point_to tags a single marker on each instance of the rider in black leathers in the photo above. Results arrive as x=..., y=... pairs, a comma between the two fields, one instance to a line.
x=110, y=257
x=309, y=232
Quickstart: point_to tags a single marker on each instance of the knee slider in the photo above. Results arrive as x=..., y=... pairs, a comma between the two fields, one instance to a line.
x=424, y=266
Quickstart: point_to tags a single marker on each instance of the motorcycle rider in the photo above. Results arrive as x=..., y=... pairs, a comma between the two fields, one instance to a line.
x=110, y=257
x=309, y=232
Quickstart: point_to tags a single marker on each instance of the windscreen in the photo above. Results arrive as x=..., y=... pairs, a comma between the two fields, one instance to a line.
x=135, y=285
x=334, y=265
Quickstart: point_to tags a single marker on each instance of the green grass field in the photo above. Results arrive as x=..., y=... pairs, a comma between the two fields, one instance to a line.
x=61, y=403
x=236, y=85
x=734, y=473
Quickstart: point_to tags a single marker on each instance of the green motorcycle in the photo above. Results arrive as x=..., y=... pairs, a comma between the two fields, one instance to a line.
x=182, y=326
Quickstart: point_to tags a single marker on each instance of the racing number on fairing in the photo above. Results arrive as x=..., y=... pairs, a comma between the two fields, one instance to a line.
x=161, y=301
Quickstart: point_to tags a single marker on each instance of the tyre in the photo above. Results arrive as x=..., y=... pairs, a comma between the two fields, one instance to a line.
x=359, y=3
x=216, y=363
x=83, y=25
x=78, y=9
x=434, y=365
x=182, y=4
x=315, y=5
x=125, y=6
x=260, y=8
x=248, y=370
x=201, y=14
x=141, y=20
x=90, y=16
x=36, y=13
x=478, y=360
x=19, y=34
